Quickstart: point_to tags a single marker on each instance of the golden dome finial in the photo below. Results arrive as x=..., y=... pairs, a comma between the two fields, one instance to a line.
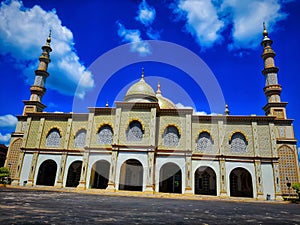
x=158, y=88
x=143, y=73
x=106, y=105
x=227, y=112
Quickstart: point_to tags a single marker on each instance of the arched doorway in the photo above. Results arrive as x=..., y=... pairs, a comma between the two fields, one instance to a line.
x=241, y=183
x=205, y=181
x=170, y=180
x=100, y=174
x=47, y=173
x=74, y=174
x=131, y=176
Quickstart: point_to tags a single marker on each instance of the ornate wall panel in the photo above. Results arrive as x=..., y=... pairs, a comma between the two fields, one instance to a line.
x=33, y=133
x=264, y=141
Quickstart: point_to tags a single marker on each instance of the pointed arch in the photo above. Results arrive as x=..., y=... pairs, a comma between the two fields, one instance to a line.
x=79, y=139
x=238, y=142
x=105, y=135
x=204, y=141
x=134, y=131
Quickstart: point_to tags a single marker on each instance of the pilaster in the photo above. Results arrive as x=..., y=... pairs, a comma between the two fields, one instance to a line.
x=188, y=155
x=59, y=182
x=30, y=181
x=86, y=154
x=223, y=186
x=150, y=187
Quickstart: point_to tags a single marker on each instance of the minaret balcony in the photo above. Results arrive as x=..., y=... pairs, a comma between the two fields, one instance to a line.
x=272, y=69
x=274, y=89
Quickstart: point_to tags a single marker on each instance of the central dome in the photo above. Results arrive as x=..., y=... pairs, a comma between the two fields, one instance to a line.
x=140, y=92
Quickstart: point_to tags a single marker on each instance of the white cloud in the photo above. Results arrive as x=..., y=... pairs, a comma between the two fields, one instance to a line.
x=134, y=37
x=8, y=121
x=247, y=17
x=146, y=14
x=153, y=34
x=22, y=33
x=201, y=21
x=4, y=139
x=181, y=106
x=206, y=19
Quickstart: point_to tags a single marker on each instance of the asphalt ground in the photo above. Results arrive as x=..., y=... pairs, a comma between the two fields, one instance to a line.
x=32, y=206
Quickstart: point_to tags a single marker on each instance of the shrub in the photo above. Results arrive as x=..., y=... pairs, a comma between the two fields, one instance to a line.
x=296, y=187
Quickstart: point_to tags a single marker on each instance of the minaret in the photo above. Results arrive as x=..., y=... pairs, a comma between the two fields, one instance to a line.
x=38, y=88
x=272, y=90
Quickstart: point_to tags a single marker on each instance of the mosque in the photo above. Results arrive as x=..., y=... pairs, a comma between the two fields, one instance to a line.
x=146, y=144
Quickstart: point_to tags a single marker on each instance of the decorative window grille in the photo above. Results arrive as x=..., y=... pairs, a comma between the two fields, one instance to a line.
x=171, y=136
x=105, y=135
x=134, y=132
x=238, y=143
x=80, y=139
x=53, y=138
x=204, y=142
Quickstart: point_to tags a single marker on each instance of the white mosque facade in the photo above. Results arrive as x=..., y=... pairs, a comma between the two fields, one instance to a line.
x=146, y=144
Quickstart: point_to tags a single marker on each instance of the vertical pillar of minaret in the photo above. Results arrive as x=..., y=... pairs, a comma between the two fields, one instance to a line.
x=34, y=104
x=272, y=89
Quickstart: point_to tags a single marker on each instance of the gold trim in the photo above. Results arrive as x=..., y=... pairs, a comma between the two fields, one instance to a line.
x=54, y=127
x=136, y=119
x=82, y=128
x=104, y=124
x=204, y=131
x=238, y=131
x=169, y=125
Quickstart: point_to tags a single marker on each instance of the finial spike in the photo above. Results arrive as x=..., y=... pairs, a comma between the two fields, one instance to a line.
x=106, y=105
x=265, y=32
x=143, y=73
x=158, y=88
x=49, y=38
x=227, y=112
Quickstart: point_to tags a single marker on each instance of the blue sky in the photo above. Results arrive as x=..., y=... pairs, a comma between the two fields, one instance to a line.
x=225, y=34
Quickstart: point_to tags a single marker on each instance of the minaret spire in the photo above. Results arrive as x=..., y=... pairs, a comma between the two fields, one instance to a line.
x=272, y=89
x=38, y=88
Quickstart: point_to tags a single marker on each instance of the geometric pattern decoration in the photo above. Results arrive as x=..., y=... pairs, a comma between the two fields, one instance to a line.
x=204, y=142
x=80, y=138
x=53, y=138
x=238, y=143
x=105, y=135
x=287, y=168
x=171, y=136
x=134, y=132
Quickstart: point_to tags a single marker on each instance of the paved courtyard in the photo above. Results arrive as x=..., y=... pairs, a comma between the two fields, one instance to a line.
x=28, y=206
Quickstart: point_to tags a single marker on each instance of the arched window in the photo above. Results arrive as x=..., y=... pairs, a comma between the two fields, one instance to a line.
x=171, y=136
x=53, y=138
x=238, y=143
x=80, y=138
x=105, y=135
x=134, y=131
x=204, y=142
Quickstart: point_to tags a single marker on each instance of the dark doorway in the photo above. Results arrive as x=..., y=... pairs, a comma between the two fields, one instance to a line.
x=47, y=173
x=170, y=180
x=74, y=174
x=205, y=181
x=100, y=174
x=131, y=176
x=241, y=183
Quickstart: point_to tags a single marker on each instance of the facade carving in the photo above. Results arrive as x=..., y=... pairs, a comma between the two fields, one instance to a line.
x=145, y=143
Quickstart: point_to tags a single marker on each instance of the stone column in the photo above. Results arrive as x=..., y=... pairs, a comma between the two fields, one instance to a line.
x=150, y=173
x=112, y=171
x=114, y=154
x=35, y=157
x=30, y=181
x=223, y=184
x=61, y=173
x=86, y=154
x=188, y=154
x=16, y=179
x=259, y=181
x=276, y=175
x=257, y=163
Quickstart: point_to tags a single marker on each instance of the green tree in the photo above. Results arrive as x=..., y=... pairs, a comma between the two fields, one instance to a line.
x=4, y=172
x=296, y=187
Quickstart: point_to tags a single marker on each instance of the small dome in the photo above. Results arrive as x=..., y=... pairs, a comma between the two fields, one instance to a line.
x=140, y=92
x=164, y=103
